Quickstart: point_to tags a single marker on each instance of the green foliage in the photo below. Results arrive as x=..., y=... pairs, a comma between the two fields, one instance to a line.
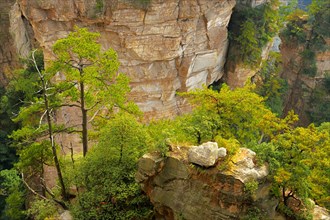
x=236, y=114
x=320, y=103
x=298, y=163
x=162, y=133
x=7, y=106
x=99, y=6
x=248, y=42
x=270, y=85
x=311, y=30
x=251, y=186
x=198, y=127
x=32, y=151
x=309, y=63
x=92, y=80
x=294, y=30
x=252, y=29
x=11, y=187
x=107, y=173
x=327, y=82
x=285, y=10
x=42, y=209
x=10, y=103
x=252, y=214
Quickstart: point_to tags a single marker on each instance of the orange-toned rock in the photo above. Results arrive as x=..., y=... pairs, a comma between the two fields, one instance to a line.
x=179, y=190
x=168, y=46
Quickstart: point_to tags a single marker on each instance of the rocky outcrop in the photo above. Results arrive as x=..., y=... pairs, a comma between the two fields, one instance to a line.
x=165, y=47
x=8, y=55
x=243, y=167
x=16, y=38
x=206, y=154
x=307, y=95
x=320, y=213
x=179, y=190
x=237, y=73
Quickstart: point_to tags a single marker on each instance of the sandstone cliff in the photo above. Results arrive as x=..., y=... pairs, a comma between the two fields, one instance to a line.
x=308, y=94
x=16, y=37
x=8, y=54
x=165, y=47
x=180, y=190
x=233, y=187
x=237, y=71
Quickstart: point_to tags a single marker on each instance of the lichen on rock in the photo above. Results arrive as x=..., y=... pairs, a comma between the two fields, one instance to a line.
x=178, y=189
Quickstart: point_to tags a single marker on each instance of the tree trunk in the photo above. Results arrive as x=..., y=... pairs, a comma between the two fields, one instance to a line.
x=84, y=115
x=50, y=131
x=51, y=138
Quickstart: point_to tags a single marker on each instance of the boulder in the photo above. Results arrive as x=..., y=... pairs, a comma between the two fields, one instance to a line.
x=242, y=166
x=66, y=215
x=321, y=213
x=222, y=152
x=204, y=155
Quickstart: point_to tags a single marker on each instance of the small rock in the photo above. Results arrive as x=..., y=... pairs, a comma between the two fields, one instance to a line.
x=66, y=215
x=321, y=213
x=204, y=155
x=222, y=152
x=148, y=165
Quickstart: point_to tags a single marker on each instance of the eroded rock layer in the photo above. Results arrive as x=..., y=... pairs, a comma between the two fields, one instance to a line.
x=8, y=56
x=164, y=47
x=308, y=95
x=178, y=189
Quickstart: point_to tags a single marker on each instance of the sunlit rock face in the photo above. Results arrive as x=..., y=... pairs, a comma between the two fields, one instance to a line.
x=179, y=189
x=164, y=47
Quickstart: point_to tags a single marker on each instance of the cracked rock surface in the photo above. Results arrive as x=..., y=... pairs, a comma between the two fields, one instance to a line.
x=166, y=47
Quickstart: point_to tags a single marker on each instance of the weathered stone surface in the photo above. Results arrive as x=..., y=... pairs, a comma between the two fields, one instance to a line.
x=320, y=213
x=222, y=152
x=237, y=74
x=66, y=215
x=242, y=166
x=301, y=87
x=8, y=54
x=20, y=31
x=178, y=190
x=170, y=46
x=204, y=155
x=149, y=164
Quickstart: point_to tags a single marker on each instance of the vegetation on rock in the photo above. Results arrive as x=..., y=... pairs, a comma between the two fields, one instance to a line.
x=102, y=181
x=251, y=29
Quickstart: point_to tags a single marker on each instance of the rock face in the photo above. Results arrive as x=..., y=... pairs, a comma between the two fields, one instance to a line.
x=242, y=166
x=305, y=92
x=179, y=190
x=205, y=155
x=238, y=73
x=16, y=37
x=8, y=54
x=165, y=47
